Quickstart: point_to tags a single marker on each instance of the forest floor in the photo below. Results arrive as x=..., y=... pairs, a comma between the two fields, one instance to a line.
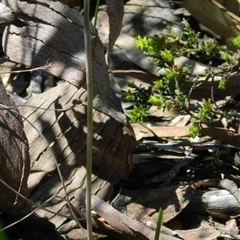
x=186, y=177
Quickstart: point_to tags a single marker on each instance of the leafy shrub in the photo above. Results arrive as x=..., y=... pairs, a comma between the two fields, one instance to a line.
x=169, y=92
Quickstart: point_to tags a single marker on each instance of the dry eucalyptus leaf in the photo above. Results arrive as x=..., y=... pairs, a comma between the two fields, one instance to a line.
x=55, y=35
x=115, y=11
x=200, y=233
x=175, y=131
x=171, y=199
x=231, y=226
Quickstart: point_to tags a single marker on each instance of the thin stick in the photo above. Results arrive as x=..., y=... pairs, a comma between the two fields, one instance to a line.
x=28, y=70
x=88, y=52
x=41, y=206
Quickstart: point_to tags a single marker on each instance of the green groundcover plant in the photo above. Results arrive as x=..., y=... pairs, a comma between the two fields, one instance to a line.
x=169, y=92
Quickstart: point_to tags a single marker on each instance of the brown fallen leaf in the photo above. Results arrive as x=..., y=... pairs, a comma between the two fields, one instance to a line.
x=172, y=200
x=231, y=5
x=219, y=203
x=175, y=131
x=200, y=234
x=115, y=224
x=223, y=135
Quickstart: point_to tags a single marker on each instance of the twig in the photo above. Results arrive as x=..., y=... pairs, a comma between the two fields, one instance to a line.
x=28, y=70
x=46, y=109
x=41, y=206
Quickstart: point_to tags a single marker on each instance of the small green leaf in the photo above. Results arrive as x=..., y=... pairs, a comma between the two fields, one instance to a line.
x=167, y=56
x=151, y=50
x=138, y=114
x=210, y=48
x=195, y=130
x=132, y=84
x=129, y=96
x=158, y=84
x=174, y=35
x=157, y=101
x=142, y=43
x=186, y=69
x=206, y=112
x=222, y=84
x=236, y=42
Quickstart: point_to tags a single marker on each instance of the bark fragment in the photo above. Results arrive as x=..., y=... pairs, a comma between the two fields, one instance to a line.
x=14, y=157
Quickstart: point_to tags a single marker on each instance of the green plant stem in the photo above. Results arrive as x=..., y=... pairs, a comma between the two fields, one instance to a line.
x=87, y=42
x=159, y=224
x=96, y=13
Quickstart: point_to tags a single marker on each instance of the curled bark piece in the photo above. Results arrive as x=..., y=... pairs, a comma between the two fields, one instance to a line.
x=14, y=157
x=65, y=131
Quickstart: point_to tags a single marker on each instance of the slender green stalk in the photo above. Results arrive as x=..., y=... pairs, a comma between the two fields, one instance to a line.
x=96, y=13
x=87, y=42
x=3, y=236
x=159, y=224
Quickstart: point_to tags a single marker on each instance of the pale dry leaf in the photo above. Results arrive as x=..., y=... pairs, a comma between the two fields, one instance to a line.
x=66, y=133
x=231, y=226
x=200, y=233
x=179, y=121
x=175, y=131
x=115, y=11
x=171, y=199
